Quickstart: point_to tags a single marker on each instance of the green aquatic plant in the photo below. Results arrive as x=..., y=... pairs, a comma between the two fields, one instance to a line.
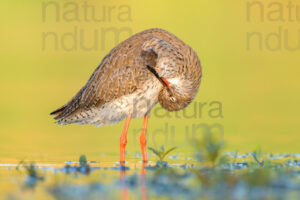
x=84, y=167
x=32, y=176
x=209, y=149
x=259, y=159
x=30, y=169
x=82, y=160
x=21, y=163
x=161, y=153
x=257, y=154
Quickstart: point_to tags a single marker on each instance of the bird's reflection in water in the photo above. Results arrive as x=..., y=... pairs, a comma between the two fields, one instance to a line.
x=143, y=182
x=124, y=191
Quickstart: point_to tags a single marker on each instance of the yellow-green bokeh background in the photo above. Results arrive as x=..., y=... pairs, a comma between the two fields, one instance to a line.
x=259, y=89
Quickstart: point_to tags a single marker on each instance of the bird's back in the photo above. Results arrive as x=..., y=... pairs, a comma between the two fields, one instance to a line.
x=119, y=81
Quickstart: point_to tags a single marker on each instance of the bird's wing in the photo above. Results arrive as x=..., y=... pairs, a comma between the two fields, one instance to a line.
x=121, y=72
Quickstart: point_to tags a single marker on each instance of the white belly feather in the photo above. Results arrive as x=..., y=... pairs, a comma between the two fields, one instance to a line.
x=136, y=104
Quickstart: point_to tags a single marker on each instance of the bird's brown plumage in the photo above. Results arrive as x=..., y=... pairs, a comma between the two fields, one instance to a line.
x=125, y=71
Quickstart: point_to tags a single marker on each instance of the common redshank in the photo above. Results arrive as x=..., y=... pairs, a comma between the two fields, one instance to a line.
x=150, y=67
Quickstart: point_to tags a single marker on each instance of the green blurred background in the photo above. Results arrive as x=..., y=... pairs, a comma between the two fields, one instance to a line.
x=244, y=47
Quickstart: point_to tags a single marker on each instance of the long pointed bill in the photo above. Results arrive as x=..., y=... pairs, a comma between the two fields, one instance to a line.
x=163, y=80
x=166, y=82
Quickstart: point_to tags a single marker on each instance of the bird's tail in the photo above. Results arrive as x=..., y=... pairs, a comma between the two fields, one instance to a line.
x=58, y=111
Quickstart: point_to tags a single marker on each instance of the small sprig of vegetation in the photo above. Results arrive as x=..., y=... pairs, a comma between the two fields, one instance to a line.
x=32, y=175
x=83, y=167
x=161, y=153
x=256, y=154
x=83, y=161
x=259, y=160
x=209, y=149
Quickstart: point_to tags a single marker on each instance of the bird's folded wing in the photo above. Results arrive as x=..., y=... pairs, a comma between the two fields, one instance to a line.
x=121, y=72
x=114, y=78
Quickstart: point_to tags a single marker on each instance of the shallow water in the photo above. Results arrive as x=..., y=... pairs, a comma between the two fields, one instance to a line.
x=179, y=179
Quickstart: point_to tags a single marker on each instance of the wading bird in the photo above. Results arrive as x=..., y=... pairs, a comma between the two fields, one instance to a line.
x=150, y=67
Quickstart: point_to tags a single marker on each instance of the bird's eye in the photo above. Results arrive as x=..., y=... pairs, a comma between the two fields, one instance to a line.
x=173, y=99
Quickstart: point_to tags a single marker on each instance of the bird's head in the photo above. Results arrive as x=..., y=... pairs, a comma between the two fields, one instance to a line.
x=180, y=76
x=177, y=93
x=180, y=83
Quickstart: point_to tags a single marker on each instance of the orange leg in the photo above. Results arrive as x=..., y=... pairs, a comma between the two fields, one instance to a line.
x=143, y=139
x=123, y=140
